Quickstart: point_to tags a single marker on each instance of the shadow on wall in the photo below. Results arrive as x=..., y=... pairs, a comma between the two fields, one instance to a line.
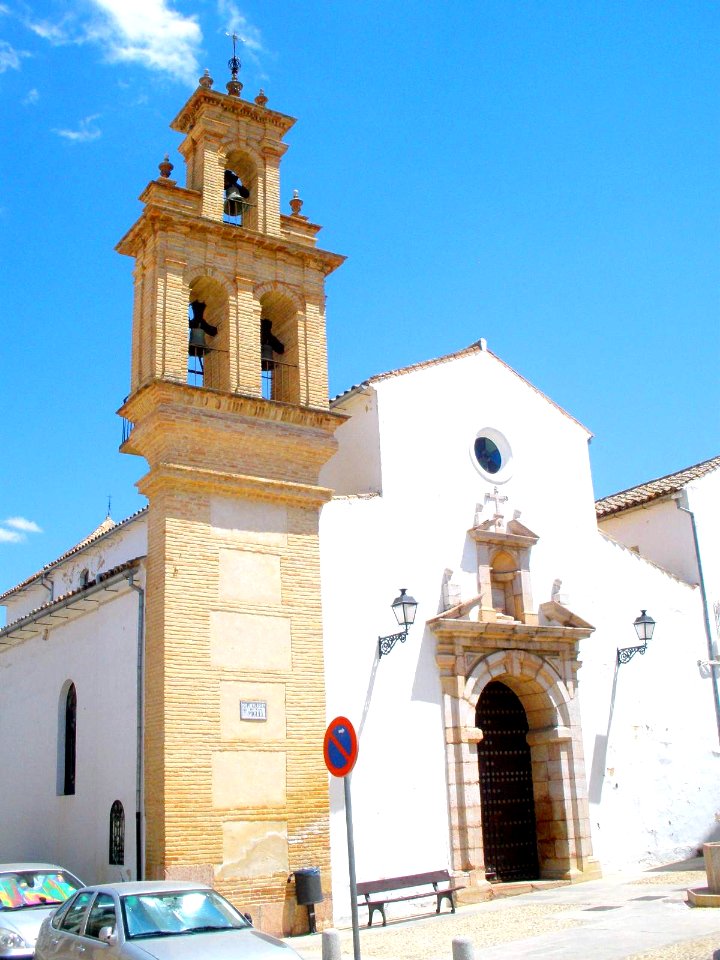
x=600, y=750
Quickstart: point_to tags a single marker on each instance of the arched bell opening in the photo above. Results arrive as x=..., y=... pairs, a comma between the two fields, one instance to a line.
x=240, y=190
x=208, y=335
x=503, y=581
x=507, y=803
x=279, y=348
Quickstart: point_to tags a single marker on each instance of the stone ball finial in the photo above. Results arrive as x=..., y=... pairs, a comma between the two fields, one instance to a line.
x=165, y=168
x=296, y=204
x=234, y=87
x=206, y=80
x=261, y=99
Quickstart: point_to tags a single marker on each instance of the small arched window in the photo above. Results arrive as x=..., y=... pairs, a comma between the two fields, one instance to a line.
x=117, y=834
x=70, y=741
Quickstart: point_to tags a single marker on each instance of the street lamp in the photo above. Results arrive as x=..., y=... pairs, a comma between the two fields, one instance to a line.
x=644, y=626
x=404, y=608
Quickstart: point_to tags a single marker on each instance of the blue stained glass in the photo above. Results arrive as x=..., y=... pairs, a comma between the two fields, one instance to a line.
x=488, y=455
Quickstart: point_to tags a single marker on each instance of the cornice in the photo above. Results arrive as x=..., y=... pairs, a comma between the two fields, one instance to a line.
x=236, y=107
x=164, y=393
x=174, y=476
x=155, y=218
x=504, y=630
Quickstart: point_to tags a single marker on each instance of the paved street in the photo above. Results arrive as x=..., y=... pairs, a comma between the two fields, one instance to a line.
x=621, y=917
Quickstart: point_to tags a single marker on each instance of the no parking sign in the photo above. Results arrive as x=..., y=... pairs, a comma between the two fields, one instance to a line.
x=341, y=747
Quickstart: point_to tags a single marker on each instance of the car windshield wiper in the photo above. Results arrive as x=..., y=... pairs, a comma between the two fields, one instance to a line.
x=208, y=928
x=156, y=933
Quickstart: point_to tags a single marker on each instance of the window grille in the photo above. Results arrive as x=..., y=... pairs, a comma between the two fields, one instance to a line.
x=117, y=834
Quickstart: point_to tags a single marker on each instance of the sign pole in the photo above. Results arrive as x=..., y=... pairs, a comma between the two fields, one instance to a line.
x=351, y=866
x=340, y=751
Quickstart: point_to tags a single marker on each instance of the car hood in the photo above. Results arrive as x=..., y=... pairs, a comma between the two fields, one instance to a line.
x=229, y=945
x=26, y=922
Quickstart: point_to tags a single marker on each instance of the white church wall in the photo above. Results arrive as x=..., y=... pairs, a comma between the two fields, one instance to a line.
x=356, y=467
x=115, y=548
x=703, y=498
x=649, y=725
x=409, y=537
x=97, y=652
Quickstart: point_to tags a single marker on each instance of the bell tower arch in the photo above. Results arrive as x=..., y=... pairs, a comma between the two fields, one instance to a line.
x=229, y=407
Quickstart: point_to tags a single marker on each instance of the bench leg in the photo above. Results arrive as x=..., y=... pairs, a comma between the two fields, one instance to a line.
x=445, y=896
x=371, y=909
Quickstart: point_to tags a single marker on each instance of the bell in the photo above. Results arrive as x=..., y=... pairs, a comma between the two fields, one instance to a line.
x=236, y=195
x=199, y=327
x=269, y=344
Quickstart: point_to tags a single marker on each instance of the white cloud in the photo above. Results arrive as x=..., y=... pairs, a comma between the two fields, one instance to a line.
x=149, y=33
x=10, y=57
x=58, y=34
x=11, y=536
x=86, y=131
x=236, y=22
x=32, y=96
x=4, y=11
x=21, y=523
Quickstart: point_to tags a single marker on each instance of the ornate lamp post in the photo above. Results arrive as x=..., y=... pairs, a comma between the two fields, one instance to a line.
x=644, y=626
x=404, y=608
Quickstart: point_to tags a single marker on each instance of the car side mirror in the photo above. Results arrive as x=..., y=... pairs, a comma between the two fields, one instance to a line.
x=107, y=935
x=248, y=918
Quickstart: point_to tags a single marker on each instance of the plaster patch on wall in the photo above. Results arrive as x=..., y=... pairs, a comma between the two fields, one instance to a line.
x=249, y=778
x=250, y=641
x=248, y=577
x=252, y=521
x=254, y=849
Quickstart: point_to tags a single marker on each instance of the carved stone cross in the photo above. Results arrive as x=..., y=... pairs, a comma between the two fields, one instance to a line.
x=497, y=499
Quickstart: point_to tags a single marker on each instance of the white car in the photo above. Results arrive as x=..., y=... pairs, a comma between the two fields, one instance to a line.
x=154, y=920
x=29, y=893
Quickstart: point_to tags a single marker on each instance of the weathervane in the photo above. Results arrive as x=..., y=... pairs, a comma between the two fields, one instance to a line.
x=234, y=86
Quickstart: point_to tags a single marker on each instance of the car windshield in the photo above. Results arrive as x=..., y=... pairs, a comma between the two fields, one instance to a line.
x=178, y=912
x=36, y=888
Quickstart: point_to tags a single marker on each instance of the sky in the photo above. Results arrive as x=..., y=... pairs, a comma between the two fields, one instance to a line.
x=541, y=174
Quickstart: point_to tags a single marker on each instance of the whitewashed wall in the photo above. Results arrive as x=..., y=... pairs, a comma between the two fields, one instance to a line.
x=97, y=652
x=650, y=730
x=409, y=537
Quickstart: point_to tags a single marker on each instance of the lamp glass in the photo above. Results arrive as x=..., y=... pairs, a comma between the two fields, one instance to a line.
x=644, y=626
x=404, y=608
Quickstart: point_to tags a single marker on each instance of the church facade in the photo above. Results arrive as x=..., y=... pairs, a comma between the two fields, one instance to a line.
x=189, y=658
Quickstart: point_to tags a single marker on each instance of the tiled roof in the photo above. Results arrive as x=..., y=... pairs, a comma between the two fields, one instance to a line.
x=645, y=492
x=102, y=581
x=479, y=346
x=107, y=526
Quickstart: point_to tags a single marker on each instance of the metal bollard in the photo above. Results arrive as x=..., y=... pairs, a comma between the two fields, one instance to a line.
x=330, y=945
x=462, y=948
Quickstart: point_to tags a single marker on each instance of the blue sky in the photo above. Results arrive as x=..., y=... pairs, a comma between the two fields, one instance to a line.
x=554, y=162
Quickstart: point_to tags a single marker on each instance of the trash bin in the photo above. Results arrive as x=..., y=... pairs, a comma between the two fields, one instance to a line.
x=308, y=891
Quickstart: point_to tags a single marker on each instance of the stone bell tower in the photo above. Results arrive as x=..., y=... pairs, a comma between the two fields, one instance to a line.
x=229, y=407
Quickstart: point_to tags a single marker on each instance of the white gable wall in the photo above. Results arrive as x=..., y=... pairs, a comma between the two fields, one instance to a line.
x=409, y=537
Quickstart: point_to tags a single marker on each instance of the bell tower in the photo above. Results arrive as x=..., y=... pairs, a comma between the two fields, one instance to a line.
x=229, y=407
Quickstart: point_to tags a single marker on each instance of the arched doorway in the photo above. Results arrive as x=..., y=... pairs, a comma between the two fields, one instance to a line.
x=506, y=786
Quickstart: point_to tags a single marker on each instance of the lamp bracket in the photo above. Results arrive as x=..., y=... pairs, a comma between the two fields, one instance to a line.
x=625, y=654
x=385, y=644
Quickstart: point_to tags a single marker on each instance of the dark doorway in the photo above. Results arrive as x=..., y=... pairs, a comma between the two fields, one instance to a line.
x=506, y=786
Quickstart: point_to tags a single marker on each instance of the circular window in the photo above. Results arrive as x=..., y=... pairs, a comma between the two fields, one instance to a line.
x=491, y=455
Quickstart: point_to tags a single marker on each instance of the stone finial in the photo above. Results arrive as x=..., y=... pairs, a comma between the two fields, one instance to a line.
x=261, y=99
x=296, y=204
x=206, y=80
x=234, y=87
x=165, y=168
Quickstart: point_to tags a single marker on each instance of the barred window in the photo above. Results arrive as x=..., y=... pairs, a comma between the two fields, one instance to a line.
x=117, y=834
